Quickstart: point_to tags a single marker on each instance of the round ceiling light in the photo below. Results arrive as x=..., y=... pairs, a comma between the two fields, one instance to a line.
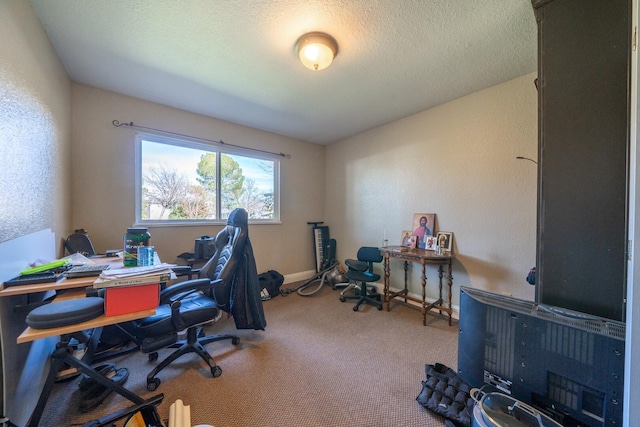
x=316, y=50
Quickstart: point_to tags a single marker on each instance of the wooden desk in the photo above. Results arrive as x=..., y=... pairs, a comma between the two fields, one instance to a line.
x=30, y=334
x=422, y=257
x=64, y=283
x=63, y=354
x=75, y=288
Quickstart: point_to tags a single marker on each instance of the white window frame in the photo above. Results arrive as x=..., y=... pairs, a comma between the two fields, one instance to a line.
x=219, y=150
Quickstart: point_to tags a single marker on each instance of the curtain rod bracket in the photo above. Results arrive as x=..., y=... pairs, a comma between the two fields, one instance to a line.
x=118, y=124
x=526, y=158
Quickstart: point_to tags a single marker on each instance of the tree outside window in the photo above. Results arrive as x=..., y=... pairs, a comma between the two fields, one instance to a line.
x=188, y=182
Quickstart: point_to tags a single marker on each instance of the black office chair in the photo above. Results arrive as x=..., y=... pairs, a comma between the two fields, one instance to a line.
x=79, y=242
x=192, y=303
x=360, y=273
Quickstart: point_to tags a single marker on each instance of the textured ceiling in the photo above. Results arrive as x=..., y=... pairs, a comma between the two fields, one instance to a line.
x=234, y=59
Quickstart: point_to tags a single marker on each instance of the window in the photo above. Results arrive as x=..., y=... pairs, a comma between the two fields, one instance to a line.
x=189, y=182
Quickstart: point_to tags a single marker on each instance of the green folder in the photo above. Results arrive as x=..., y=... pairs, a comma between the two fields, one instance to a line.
x=44, y=267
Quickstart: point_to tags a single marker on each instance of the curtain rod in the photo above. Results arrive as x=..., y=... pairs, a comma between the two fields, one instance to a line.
x=117, y=124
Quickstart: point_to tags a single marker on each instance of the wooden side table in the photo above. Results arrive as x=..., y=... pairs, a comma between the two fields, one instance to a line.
x=422, y=257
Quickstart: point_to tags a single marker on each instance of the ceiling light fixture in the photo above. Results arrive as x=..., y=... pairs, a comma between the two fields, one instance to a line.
x=316, y=50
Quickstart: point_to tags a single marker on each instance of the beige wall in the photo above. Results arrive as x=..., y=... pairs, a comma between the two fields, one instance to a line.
x=103, y=178
x=34, y=128
x=457, y=160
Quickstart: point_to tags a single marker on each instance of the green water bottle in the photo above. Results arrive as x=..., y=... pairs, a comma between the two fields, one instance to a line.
x=135, y=238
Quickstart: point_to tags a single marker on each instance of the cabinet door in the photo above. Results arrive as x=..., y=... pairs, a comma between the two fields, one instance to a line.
x=583, y=83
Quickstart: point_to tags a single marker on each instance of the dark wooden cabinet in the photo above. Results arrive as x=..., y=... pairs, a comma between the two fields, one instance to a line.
x=584, y=50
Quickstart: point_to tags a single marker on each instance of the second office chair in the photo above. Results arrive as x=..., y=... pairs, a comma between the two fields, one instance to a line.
x=360, y=274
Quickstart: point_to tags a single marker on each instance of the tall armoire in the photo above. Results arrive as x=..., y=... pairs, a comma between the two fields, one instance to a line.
x=584, y=51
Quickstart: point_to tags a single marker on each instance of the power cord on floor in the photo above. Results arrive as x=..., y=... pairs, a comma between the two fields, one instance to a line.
x=321, y=276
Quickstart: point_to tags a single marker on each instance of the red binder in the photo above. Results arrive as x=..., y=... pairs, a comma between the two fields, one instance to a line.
x=129, y=299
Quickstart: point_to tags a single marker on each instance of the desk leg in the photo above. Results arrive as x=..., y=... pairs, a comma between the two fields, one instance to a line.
x=56, y=364
x=61, y=355
x=387, y=271
x=424, y=294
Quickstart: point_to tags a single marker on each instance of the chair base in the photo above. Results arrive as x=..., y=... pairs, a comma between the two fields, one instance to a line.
x=374, y=299
x=193, y=344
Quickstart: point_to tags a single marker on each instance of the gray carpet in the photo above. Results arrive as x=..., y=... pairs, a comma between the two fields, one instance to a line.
x=318, y=363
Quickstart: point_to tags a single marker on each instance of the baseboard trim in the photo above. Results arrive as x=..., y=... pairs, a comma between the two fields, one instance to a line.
x=307, y=275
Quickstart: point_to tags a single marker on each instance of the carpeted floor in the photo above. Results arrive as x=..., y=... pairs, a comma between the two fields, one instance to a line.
x=318, y=363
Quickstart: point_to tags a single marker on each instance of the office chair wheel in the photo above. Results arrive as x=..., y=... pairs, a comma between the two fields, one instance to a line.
x=355, y=308
x=235, y=340
x=342, y=299
x=153, y=356
x=153, y=384
x=216, y=371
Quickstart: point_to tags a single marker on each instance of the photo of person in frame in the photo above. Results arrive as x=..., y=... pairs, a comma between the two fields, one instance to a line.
x=445, y=239
x=423, y=226
x=406, y=238
x=431, y=243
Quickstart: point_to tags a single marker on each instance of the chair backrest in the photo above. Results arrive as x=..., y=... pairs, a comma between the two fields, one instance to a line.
x=79, y=242
x=229, y=246
x=369, y=254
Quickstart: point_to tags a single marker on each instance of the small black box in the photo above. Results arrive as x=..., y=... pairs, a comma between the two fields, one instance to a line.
x=205, y=247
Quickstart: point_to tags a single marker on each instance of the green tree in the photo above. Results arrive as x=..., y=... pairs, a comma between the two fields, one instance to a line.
x=231, y=178
x=232, y=184
x=207, y=172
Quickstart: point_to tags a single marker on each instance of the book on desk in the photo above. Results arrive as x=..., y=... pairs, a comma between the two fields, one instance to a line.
x=132, y=289
x=131, y=281
x=134, y=276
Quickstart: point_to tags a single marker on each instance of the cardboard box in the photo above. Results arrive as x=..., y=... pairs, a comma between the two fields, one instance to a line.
x=129, y=299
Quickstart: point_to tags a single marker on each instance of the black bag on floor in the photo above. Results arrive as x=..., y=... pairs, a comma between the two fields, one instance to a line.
x=271, y=281
x=446, y=394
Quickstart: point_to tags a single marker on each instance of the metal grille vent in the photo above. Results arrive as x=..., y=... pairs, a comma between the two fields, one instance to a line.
x=568, y=342
x=499, y=341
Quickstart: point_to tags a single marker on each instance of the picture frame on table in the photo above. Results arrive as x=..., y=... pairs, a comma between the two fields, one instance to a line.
x=430, y=243
x=405, y=238
x=413, y=241
x=423, y=226
x=448, y=240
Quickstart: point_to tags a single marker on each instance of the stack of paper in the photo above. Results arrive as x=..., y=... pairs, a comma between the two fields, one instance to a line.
x=134, y=276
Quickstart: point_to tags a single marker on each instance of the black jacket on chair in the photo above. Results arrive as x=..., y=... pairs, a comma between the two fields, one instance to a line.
x=246, y=305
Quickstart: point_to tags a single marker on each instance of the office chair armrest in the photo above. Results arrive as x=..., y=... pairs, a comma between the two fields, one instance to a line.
x=186, y=287
x=173, y=296
x=176, y=319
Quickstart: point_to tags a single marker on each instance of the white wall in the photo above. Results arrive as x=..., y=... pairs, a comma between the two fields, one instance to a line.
x=457, y=160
